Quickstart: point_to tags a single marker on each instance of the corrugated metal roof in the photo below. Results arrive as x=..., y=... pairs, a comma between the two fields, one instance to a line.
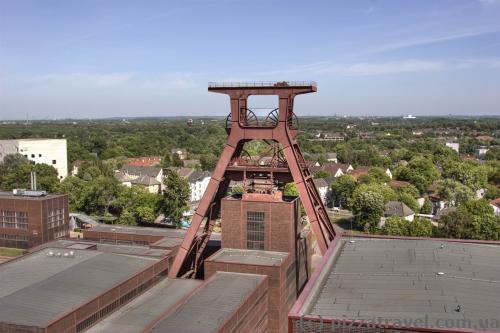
x=401, y=280
x=211, y=305
x=37, y=289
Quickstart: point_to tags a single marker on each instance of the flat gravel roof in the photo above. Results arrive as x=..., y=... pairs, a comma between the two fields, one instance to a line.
x=37, y=289
x=144, y=310
x=411, y=280
x=208, y=308
x=252, y=257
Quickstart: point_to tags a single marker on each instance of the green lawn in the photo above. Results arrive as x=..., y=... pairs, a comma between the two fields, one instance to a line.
x=10, y=252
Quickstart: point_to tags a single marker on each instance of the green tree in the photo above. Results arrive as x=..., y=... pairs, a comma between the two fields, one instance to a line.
x=426, y=207
x=375, y=175
x=474, y=219
x=410, y=201
x=368, y=207
x=238, y=189
x=174, y=201
x=454, y=192
x=387, y=193
x=15, y=173
x=493, y=154
x=420, y=171
x=396, y=226
x=208, y=162
x=138, y=202
x=420, y=227
x=100, y=194
x=343, y=188
x=290, y=189
x=76, y=189
x=471, y=175
x=321, y=174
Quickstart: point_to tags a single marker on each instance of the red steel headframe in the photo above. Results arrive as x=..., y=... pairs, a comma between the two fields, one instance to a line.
x=283, y=131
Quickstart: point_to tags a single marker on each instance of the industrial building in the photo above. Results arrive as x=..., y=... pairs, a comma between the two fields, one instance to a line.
x=58, y=291
x=377, y=284
x=31, y=218
x=52, y=152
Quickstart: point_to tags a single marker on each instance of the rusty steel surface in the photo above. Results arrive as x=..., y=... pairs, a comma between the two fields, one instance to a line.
x=241, y=129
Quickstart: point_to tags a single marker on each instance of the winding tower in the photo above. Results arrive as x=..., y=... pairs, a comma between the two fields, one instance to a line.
x=279, y=129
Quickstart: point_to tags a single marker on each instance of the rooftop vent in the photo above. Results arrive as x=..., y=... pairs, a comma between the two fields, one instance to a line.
x=28, y=193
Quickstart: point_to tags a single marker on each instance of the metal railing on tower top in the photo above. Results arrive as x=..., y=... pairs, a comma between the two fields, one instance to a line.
x=263, y=84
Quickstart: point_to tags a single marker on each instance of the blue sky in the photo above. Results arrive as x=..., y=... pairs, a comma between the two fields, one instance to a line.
x=107, y=58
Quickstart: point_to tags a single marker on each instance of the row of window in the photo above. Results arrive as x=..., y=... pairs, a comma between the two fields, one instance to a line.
x=13, y=220
x=23, y=238
x=89, y=321
x=55, y=218
x=39, y=155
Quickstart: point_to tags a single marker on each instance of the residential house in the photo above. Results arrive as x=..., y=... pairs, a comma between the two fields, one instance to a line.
x=397, y=184
x=331, y=157
x=334, y=169
x=76, y=167
x=397, y=208
x=359, y=171
x=322, y=188
x=148, y=177
x=481, y=152
x=496, y=206
x=191, y=163
x=453, y=145
x=144, y=161
x=388, y=173
x=485, y=138
x=439, y=215
x=179, y=152
x=435, y=198
x=198, y=182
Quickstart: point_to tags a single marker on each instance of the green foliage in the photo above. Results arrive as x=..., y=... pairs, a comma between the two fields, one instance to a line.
x=420, y=171
x=368, y=207
x=426, y=207
x=398, y=226
x=387, y=193
x=290, y=189
x=420, y=227
x=343, y=188
x=174, y=201
x=238, y=189
x=410, y=201
x=321, y=174
x=474, y=219
x=395, y=226
x=375, y=175
x=454, y=192
x=493, y=154
x=138, y=203
x=208, y=162
x=469, y=174
x=15, y=173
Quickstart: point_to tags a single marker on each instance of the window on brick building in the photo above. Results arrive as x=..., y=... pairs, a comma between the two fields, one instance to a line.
x=255, y=230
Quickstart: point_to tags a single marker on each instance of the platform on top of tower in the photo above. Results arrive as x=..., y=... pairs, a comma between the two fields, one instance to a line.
x=262, y=84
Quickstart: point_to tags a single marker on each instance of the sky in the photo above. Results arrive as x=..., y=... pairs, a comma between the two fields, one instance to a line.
x=117, y=58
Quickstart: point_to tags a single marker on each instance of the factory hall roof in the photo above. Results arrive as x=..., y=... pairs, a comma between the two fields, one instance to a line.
x=150, y=231
x=144, y=310
x=407, y=281
x=37, y=289
x=211, y=305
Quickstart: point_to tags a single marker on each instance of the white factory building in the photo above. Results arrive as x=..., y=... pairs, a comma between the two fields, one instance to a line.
x=48, y=151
